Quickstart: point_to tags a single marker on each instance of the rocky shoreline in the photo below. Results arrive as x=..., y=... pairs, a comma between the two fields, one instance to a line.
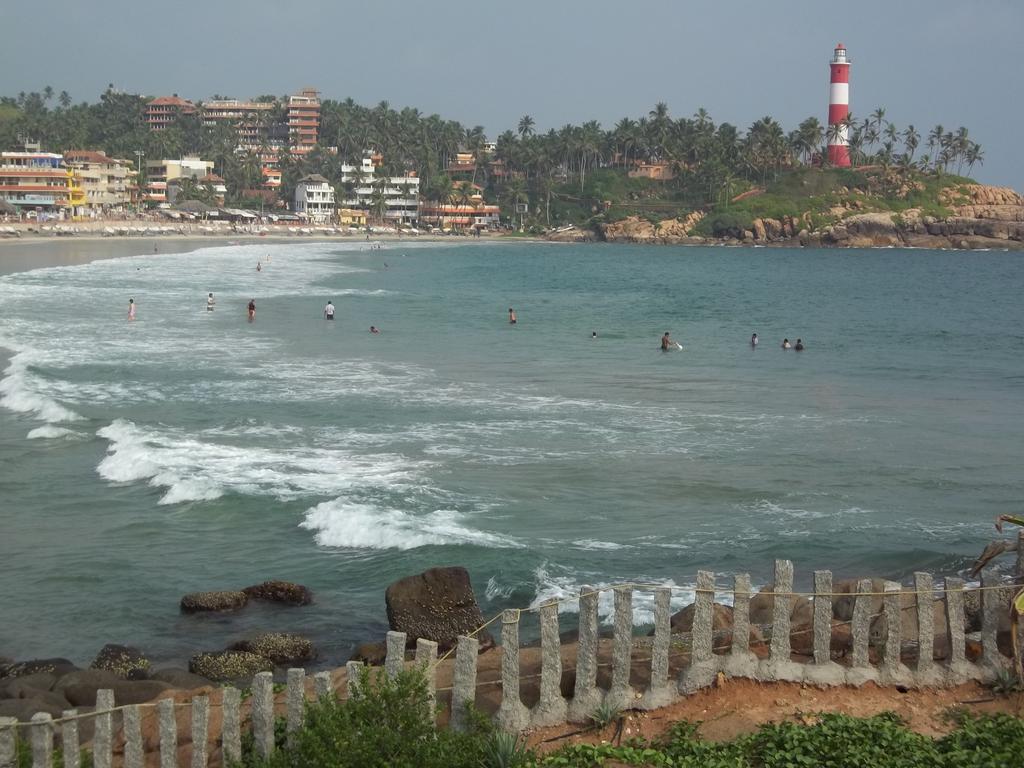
x=982, y=218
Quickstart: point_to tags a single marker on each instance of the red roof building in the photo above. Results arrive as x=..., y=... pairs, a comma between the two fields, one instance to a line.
x=164, y=110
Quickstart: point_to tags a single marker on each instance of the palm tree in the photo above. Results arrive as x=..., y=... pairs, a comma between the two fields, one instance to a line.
x=911, y=140
x=878, y=117
x=975, y=154
x=64, y=99
x=525, y=126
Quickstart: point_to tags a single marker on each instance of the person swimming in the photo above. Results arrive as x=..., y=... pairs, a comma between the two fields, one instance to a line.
x=374, y=329
x=753, y=340
x=512, y=316
x=593, y=334
x=668, y=344
x=252, y=310
x=210, y=301
x=799, y=345
x=131, y=309
x=259, y=266
x=786, y=344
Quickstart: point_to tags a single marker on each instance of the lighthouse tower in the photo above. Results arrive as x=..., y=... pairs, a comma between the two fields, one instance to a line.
x=838, y=108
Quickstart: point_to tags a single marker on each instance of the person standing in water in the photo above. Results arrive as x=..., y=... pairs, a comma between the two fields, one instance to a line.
x=753, y=340
x=512, y=316
x=259, y=266
x=799, y=345
x=329, y=311
x=593, y=334
x=210, y=301
x=252, y=310
x=667, y=343
x=131, y=309
x=786, y=344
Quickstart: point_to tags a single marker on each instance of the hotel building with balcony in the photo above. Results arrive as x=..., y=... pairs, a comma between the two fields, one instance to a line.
x=164, y=110
x=314, y=197
x=159, y=172
x=41, y=182
x=304, y=120
x=401, y=193
x=106, y=182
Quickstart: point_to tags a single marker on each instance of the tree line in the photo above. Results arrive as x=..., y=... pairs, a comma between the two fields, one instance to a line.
x=708, y=161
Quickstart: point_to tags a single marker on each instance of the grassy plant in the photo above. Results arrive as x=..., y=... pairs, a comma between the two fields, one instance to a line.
x=504, y=750
x=1006, y=682
x=605, y=714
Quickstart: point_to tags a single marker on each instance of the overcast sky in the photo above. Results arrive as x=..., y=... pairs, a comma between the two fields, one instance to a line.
x=927, y=62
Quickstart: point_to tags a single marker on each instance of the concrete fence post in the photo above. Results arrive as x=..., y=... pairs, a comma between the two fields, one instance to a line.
x=991, y=606
x=296, y=700
x=513, y=716
x=231, y=703
x=741, y=662
x=661, y=693
x=134, y=754
x=103, y=733
x=200, y=730
x=426, y=660
x=925, y=671
x=861, y=670
x=263, y=713
x=42, y=740
x=552, y=709
x=780, y=665
x=893, y=671
x=464, y=680
x=8, y=742
x=353, y=673
x=621, y=694
x=168, y=727
x=703, y=666
x=70, y=746
x=958, y=669
x=322, y=686
x=823, y=671
x=395, y=660
x=586, y=695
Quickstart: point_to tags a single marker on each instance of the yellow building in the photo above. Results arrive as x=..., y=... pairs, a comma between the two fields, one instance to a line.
x=348, y=217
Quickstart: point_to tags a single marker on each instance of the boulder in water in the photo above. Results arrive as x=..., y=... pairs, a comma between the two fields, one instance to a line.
x=122, y=660
x=280, y=647
x=223, y=600
x=437, y=605
x=285, y=592
x=221, y=666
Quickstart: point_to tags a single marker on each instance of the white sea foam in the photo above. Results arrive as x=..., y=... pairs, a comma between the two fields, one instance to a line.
x=51, y=432
x=566, y=587
x=24, y=392
x=341, y=523
x=196, y=468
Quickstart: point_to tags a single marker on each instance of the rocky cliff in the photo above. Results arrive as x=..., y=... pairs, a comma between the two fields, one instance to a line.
x=980, y=217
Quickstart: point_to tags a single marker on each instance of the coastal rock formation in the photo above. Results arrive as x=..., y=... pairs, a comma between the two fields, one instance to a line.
x=221, y=666
x=224, y=600
x=92, y=679
x=281, y=648
x=125, y=692
x=762, y=608
x=285, y=592
x=437, y=605
x=122, y=660
x=634, y=229
x=371, y=654
x=56, y=666
x=721, y=618
x=180, y=679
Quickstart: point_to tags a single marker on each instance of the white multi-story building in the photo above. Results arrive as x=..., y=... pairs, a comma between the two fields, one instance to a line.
x=314, y=196
x=400, y=195
x=107, y=182
x=159, y=172
x=40, y=182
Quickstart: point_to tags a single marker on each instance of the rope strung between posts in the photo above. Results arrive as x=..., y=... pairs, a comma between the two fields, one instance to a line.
x=698, y=590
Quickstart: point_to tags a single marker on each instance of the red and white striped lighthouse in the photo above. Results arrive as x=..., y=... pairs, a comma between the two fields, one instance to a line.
x=838, y=108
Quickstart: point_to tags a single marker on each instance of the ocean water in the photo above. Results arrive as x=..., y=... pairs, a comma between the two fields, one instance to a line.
x=191, y=450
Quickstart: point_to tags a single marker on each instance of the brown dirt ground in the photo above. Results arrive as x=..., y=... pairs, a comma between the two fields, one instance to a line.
x=735, y=707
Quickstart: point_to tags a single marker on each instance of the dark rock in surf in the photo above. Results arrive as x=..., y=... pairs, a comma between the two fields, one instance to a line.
x=285, y=592
x=280, y=647
x=122, y=660
x=437, y=605
x=224, y=600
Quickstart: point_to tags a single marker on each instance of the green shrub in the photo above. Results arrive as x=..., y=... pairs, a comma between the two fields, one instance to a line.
x=389, y=726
